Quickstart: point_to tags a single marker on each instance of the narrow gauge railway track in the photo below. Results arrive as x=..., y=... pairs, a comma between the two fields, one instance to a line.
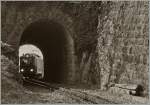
x=39, y=83
x=95, y=98
x=47, y=86
x=78, y=95
x=92, y=99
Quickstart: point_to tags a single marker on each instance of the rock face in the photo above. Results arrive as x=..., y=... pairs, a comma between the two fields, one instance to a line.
x=109, y=39
x=123, y=43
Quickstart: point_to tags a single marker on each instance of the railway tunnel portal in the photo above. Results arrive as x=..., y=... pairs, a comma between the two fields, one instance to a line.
x=54, y=42
x=73, y=29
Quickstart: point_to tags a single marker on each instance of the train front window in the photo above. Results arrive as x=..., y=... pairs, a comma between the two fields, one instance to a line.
x=25, y=61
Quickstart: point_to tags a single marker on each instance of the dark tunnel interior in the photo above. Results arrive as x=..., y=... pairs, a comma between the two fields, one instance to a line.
x=48, y=36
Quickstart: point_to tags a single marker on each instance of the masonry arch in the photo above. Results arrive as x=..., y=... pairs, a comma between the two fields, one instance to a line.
x=57, y=47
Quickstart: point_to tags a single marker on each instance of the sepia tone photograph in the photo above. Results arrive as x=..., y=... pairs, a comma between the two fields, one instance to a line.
x=75, y=52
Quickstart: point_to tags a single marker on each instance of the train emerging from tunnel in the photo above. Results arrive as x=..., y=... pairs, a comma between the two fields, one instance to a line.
x=31, y=66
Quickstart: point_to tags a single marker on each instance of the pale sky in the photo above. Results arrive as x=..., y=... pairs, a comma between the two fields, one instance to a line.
x=29, y=48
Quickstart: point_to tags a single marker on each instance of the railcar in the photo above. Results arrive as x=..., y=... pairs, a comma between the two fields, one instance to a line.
x=31, y=66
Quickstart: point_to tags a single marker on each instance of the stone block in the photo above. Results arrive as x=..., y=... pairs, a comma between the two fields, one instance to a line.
x=137, y=59
x=145, y=59
x=130, y=58
x=146, y=42
x=130, y=50
x=139, y=41
x=129, y=41
x=125, y=50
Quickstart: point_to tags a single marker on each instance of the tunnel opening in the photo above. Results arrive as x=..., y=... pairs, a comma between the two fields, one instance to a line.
x=50, y=37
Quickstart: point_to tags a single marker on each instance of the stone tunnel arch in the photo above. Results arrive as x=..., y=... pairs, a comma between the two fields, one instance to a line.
x=57, y=47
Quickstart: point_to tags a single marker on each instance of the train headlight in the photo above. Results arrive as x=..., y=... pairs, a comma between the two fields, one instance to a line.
x=21, y=70
x=31, y=70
